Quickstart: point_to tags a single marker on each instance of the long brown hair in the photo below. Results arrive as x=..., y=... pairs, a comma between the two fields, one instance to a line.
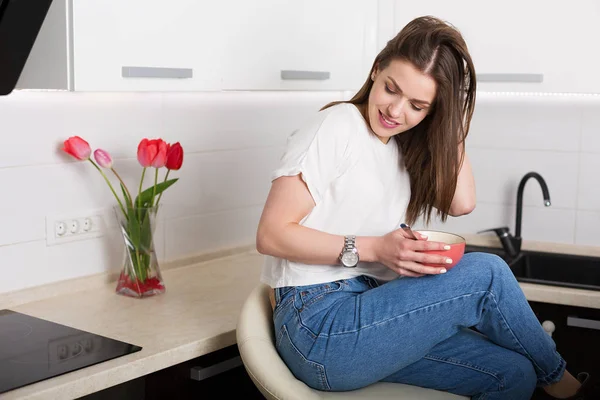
x=431, y=148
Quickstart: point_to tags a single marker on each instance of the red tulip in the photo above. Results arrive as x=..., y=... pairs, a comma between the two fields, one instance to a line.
x=77, y=147
x=174, y=156
x=103, y=158
x=144, y=154
x=161, y=155
x=152, y=153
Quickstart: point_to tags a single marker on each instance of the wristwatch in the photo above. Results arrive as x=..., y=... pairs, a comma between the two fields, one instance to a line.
x=349, y=254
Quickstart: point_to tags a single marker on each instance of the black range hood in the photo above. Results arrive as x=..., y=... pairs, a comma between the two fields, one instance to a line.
x=20, y=23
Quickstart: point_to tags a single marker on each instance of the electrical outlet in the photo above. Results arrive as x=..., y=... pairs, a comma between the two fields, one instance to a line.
x=68, y=228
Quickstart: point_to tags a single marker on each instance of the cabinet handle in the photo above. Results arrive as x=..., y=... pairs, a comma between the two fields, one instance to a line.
x=287, y=74
x=583, y=323
x=549, y=327
x=156, y=72
x=201, y=373
x=527, y=78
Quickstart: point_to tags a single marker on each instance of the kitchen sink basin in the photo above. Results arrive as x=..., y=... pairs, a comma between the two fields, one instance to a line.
x=566, y=270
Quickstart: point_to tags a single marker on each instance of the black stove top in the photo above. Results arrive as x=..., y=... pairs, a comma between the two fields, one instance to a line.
x=33, y=349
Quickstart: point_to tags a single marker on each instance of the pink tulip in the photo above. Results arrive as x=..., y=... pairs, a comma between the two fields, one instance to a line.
x=161, y=156
x=152, y=153
x=144, y=154
x=103, y=158
x=77, y=147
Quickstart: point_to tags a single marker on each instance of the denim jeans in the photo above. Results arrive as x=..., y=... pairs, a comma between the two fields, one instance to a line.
x=469, y=331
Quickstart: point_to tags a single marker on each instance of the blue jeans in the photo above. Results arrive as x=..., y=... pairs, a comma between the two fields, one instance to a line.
x=469, y=331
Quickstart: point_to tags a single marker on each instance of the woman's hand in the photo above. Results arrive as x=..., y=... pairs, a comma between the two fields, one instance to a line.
x=405, y=256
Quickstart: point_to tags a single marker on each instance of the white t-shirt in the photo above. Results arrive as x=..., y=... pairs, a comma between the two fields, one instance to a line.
x=359, y=184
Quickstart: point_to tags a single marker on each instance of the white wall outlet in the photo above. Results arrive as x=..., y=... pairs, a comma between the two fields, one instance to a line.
x=77, y=226
x=60, y=228
x=74, y=226
x=87, y=224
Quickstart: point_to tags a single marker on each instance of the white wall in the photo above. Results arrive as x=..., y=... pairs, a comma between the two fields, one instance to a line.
x=232, y=142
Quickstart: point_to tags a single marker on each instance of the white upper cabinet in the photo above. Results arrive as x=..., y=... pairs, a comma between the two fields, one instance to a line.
x=291, y=44
x=146, y=45
x=516, y=45
x=128, y=45
x=193, y=45
x=201, y=45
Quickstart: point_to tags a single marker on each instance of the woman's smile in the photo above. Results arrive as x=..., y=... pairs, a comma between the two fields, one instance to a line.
x=387, y=122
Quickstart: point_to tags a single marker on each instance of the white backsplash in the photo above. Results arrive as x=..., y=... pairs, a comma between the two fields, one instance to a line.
x=232, y=142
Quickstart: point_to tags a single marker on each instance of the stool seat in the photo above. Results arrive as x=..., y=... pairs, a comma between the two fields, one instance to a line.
x=256, y=343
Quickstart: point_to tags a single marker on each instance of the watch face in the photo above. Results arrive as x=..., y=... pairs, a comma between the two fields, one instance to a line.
x=350, y=259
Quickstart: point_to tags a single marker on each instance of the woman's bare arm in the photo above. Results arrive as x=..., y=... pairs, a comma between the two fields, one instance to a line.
x=464, y=197
x=280, y=234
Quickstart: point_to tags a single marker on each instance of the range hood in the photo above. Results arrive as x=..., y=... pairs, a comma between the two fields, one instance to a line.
x=20, y=23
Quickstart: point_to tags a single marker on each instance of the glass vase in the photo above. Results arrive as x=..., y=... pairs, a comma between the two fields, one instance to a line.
x=140, y=276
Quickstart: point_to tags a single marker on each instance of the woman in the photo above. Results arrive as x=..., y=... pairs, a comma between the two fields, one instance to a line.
x=354, y=303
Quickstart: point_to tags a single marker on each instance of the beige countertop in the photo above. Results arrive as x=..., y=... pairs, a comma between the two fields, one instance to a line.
x=197, y=315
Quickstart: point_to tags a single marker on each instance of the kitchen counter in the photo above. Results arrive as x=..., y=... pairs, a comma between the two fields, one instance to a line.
x=196, y=316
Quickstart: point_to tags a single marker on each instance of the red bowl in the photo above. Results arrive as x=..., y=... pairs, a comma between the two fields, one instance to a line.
x=457, y=246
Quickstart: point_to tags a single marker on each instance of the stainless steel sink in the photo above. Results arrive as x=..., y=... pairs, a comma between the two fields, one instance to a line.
x=581, y=272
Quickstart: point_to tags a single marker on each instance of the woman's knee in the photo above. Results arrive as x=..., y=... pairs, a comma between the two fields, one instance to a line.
x=484, y=258
x=484, y=271
x=486, y=263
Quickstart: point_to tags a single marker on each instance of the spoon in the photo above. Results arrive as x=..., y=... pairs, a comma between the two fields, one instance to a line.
x=410, y=232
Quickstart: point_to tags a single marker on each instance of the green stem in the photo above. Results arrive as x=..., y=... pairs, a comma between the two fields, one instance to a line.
x=137, y=251
x=124, y=186
x=140, y=189
x=137, y=268
x=161, y=193
x=154, y=189
x=110, y=186
x=139, y=271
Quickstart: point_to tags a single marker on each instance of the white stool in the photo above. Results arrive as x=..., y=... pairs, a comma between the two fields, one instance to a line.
x=256, y=343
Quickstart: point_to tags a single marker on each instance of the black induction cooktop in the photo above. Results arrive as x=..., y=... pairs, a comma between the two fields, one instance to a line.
x=33, y=349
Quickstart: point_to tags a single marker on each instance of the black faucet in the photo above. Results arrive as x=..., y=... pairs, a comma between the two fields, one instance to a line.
x=512, y=244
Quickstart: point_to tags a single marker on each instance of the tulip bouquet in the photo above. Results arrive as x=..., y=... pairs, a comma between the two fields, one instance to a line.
x=140, y=276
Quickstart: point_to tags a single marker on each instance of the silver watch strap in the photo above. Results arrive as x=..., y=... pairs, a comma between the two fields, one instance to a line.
x=349, y=242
